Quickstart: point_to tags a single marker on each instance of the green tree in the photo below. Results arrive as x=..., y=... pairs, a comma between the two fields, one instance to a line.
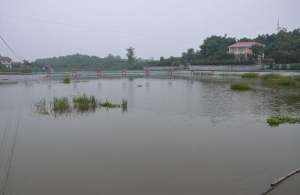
x=188, y=56
x=130, y=55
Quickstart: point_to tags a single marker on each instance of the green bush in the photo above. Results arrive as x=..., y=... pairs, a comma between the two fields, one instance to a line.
x=250, y=75
x=240, y=86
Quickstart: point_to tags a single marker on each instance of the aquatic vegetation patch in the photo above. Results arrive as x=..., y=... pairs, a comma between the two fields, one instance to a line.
x=240, y=86
x=250, y=75
x=275, y=121
x=80, y=103
x=67, y=80
x=108, y=104
x=124, y=105
x=61, y=105
x=286, y=81
x=267, y=77
x=41, y=107
x=277, y=80
x=84, y=103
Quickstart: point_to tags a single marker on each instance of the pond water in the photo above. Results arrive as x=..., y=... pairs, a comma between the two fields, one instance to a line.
x=178, y=136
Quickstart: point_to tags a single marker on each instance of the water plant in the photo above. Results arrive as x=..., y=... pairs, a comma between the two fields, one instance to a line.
x=41, y=107
x=275, y=121
x=280, y=80
x=108, y=104
x=240, y=86
x=84, y=102
x=67, y=80
x=250, y=75
x=61, y=105
x=268, y=77
x=124, y=105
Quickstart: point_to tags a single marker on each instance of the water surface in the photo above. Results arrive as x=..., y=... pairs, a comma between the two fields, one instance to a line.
x=178, y=136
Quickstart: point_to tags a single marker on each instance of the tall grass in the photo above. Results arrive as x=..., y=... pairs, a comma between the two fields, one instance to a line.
x=81, y=103
x=84, y=103
x=41, y=107
x=61, y=105
x=124, y=105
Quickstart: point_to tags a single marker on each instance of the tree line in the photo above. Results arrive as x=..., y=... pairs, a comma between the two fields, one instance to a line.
x=283, y=47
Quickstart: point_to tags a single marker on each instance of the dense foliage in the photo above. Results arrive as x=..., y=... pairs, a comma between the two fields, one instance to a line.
x=283, y=47
x=85, y=62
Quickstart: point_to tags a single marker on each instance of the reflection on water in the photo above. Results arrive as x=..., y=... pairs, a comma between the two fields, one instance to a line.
x=179, y=137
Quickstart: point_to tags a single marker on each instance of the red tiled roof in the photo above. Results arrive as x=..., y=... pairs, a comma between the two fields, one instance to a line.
x=247, y=44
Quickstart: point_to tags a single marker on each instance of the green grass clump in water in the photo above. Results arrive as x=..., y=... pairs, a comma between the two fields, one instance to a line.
x=268, y=77
x=275, y=121
x=280, y=80
x=240, y=86
x=286, y=81
x=85, y=103
x=108, y=104
x=250, y=75
x=124, y=105
x=67, y=80
x=297, y=78
x=41, y=107
x=61, y=105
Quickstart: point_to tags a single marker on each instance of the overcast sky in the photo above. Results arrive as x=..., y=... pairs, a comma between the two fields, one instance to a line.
x=44, y=28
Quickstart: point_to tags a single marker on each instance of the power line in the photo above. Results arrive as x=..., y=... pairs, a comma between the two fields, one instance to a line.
x=10, y=48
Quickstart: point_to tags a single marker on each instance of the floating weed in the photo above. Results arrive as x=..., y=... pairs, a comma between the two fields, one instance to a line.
x=108, y=104
x=275, y=121
x=267, y=77
x=250, y=75
x=67, y=80
x=240, y=86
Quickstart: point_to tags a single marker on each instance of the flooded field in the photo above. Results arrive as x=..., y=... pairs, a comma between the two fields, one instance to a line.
x=177, y=136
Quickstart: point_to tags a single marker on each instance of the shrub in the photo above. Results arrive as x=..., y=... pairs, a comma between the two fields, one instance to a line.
x=240, y=86
x=250, y=75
